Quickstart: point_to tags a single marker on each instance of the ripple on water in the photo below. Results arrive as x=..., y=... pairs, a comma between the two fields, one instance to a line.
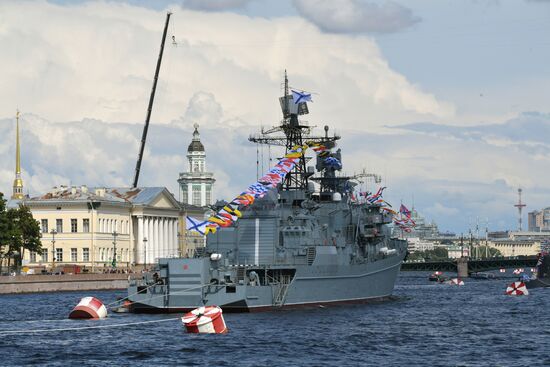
x=423, y=324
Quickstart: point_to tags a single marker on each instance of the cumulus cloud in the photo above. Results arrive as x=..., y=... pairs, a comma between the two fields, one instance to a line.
x=451, y=179
x=356, y=16
x=96, y=60
x=215, y=5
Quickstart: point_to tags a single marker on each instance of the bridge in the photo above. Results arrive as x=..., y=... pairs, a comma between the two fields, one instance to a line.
x=464, y=266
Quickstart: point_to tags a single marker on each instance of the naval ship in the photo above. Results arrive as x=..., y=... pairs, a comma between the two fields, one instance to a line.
x=542, y=280
x=306, y=242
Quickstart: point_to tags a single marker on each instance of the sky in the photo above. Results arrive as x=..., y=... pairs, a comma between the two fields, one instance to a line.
x=447, y=100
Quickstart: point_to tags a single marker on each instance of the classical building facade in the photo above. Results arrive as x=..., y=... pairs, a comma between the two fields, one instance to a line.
x=196, y=185
x=106, y=227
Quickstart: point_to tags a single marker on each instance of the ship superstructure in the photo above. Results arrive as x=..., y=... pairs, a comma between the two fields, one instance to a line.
x=305, y=241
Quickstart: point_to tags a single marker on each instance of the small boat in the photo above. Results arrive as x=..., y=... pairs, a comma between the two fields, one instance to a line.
x=437, y=277
x=481, y=275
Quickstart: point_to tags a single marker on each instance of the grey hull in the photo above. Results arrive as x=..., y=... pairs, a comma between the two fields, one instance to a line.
x=310, y=286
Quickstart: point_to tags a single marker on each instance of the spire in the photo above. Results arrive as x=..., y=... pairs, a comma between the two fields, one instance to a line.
x=18, y=182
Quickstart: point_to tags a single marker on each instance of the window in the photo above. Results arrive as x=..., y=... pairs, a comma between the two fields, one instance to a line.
x=196, y=195
x=74, y=255
x=184, y=194
x=85, y=254
x=59, y=225
x=33, y=257
x=59, y=254
x=85, y=225
x=74, y=225
x=208, y=196
x=45, y=255
x=44, y=226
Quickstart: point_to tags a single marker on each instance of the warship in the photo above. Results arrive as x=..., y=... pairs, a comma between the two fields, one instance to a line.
x=542, y=279
x=307, y=241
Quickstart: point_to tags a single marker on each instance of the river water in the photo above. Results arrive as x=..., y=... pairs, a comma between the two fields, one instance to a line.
x=426, y=324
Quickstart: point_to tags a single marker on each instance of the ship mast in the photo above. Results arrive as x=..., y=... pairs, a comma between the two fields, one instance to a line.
x=150, y=108
x=295, y=134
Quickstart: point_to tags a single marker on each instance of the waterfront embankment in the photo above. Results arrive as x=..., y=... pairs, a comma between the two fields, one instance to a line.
x=66, y=282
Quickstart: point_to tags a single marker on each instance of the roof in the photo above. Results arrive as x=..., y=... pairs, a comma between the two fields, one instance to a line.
x=195, y=146
x=122, y=195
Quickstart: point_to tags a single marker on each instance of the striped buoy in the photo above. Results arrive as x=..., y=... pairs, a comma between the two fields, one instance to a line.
x=517, y=271
x=89, y=308
x=456, y=281
x=205, y=320
x=517, y=289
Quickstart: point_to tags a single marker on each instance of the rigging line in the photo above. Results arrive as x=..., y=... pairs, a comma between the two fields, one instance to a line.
x=262, y=153
x=257, y=161
x=24, y=331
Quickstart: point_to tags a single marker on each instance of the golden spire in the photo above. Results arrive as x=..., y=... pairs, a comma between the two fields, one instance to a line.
x=18, y=182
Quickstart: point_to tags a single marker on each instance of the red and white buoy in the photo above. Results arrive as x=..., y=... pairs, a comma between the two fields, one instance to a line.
x=517, y=289
x=456, y=281
x=89, y=308
x=205, y=320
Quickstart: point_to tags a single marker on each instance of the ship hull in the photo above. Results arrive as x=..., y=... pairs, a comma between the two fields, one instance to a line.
x=311, y=286
x=538, y=283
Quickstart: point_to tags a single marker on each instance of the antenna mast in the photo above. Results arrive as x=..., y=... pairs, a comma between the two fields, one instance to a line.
x=295, y=134
x=520, y=206
x=151, y=99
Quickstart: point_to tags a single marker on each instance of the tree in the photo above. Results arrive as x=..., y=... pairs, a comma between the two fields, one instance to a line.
x=4, y=238
x=19, y=231
x=29, y=230
x=481, y=251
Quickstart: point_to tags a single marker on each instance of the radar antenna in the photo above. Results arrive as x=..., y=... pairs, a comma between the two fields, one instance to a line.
x=296, y=133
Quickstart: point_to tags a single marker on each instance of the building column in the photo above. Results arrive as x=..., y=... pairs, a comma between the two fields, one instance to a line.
x=203, y=194
x=139, y=242
x=171, y=234
x=176, y=238
x=166, y=238
x=162, y=238
x=145, y=235
x=157, y=243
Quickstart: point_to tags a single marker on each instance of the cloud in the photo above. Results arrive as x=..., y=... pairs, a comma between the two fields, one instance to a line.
x=214, y=5
x=450, y=180
x=96, y=60
x=355, y=16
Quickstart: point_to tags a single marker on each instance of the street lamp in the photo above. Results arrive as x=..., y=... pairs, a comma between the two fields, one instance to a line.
x=113, y=263
x=53, y=232
x=145, y=253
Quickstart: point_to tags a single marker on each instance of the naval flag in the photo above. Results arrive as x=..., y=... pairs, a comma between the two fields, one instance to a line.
x=195, y=225
x=299, y=97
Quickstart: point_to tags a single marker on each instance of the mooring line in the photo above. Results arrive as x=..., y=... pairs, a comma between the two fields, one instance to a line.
x=28, y=331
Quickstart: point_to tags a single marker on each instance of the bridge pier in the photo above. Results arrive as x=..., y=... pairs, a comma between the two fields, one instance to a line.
x=462, y=267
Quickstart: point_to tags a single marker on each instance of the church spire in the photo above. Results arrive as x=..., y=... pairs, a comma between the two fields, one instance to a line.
x=18, y=182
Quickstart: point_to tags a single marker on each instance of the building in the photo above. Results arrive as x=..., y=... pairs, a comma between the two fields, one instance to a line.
x=516, y=247
x=422, y=229
x=539, y=220
x=196, y=185
x=458, y=251
x=100, y=228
